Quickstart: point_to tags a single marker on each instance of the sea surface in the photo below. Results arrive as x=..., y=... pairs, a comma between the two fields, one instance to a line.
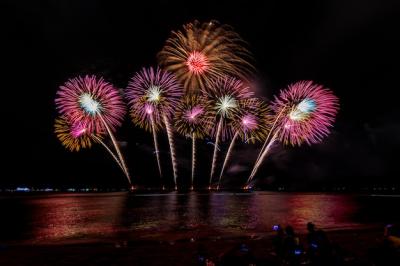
x=63, y=218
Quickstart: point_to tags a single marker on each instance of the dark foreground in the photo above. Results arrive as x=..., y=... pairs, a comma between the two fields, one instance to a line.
x=356, y=247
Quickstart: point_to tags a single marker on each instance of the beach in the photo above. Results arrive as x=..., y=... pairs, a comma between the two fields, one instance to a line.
x=358, y=247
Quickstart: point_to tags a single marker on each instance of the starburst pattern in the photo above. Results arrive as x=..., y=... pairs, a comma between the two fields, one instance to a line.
x=203, y=52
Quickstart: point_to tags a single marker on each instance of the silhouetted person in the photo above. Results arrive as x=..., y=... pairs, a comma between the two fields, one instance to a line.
x=319, y=248
x=388, y=253
x=202, y=256
x=292, y=250
x=277, y=240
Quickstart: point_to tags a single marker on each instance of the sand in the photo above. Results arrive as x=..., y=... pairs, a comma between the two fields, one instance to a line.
x=358, y=247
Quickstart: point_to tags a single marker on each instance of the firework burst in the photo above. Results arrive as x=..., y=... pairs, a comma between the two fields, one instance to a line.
x=252, y=120
x=203, y=52
x=153, y=95
x=73, y=136
x=308, y=112
x=305, y=112
x=251, y=123
x=193, y=119
x=90, y=100
x=223, y=96
x=95, y=104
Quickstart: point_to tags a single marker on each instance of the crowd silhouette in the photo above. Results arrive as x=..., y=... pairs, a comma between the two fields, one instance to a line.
x=315, y=249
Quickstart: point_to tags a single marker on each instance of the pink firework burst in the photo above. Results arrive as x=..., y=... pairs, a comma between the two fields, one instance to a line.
x=223, y=95
x=305, y=113
x=152, y=94
x=78, y=129
x=88, y=101
x=195, y=112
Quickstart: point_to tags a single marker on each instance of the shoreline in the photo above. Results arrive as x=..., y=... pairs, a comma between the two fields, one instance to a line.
x=356, y=244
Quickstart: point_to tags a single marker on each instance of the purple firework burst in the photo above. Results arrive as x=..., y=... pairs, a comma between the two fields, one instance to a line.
x=305, y=112
x=152, y=94
x=223, y=96
x=89, y=100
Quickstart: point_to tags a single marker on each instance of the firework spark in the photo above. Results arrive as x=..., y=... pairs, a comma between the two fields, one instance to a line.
x=153, y=95
x=252, y=123
x=203, y=52
x=223, y=96
x=305, y=113
x=193, y=119
x=94, y=103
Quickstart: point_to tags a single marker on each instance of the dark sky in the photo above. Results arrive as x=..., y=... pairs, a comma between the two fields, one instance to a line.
x=351, y=46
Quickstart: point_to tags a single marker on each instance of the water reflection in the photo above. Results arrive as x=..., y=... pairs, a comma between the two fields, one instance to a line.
x=76, y=216
x=174, y=215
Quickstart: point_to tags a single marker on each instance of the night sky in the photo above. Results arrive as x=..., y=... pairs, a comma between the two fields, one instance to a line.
x=351, y=46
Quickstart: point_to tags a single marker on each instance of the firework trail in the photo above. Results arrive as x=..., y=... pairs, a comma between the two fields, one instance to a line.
x=153, y=95
x=172, y=148
x=116, y=146
x=223, y=96
x=251, y=122
x=94, y=103
x=262, y=157
x=111, y=153
x=266, y=142
x=193, y=119
x=214, y=158
x=227, y=156
x=193, y=160
x=75, y=136
x=156, y=144
x=306, y=111
x=203, y=52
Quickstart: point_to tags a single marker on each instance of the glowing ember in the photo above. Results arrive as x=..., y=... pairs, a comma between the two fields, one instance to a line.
x=197, y=63
x=249, y=122
x=225, y=104
x=77, y=130
x=194, y=112
x=88, y=104
x=303, y=109
x=154, y=94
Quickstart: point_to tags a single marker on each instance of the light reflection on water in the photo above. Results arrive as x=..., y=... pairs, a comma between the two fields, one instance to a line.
x=114, y=215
